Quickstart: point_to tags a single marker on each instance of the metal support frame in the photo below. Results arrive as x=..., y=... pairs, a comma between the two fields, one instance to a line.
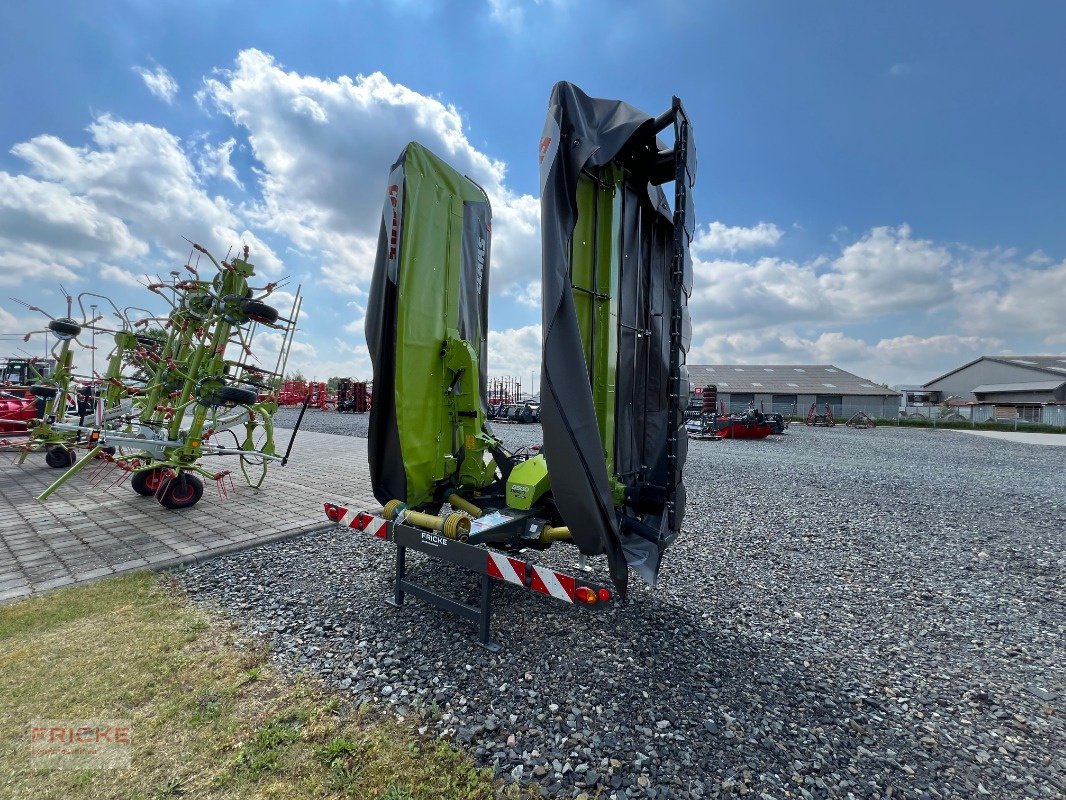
x=509, y=568
x=480, y=614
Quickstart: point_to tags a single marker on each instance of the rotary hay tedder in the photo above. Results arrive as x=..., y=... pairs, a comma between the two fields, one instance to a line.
x=616, y=277
x=176, y=388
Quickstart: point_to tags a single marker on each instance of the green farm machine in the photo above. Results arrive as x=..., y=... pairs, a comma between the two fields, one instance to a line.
x=176, y=387
x=616, y=276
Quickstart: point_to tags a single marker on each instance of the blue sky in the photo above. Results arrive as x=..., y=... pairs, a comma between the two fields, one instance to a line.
x=880, y=185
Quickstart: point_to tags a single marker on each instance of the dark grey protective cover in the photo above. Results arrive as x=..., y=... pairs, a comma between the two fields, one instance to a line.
x=384, y=456
x=582, y=132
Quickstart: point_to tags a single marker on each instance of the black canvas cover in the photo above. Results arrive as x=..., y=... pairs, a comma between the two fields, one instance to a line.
x=582, y=133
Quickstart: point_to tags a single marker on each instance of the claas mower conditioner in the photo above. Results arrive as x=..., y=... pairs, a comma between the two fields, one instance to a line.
x=616, y=276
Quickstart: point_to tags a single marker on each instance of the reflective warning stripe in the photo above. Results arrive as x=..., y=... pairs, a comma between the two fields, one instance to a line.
x=556, y=584
x=497, y=565
x=506, y=569
x=377, y=526
x=543, y=580
x=361, y=520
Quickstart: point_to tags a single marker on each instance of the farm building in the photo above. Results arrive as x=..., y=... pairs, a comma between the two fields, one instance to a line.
x=792, y=388
x=1021, y=387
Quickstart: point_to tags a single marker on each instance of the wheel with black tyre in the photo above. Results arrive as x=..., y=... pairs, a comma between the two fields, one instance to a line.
x=60, y=457
x=146, y=482
x=182, y=491
x=199, y=305
x=259, y=312
x=64, y=328
x=237, y=395
x=42, y=391
x=207, y=390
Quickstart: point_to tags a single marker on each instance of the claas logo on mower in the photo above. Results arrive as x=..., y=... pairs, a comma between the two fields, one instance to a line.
x=545, y=143
x=394, y=231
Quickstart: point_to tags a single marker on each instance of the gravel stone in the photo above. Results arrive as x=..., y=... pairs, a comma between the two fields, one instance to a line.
x=864, y=614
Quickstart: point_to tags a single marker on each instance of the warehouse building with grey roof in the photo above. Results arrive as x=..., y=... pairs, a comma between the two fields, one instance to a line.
x=791, y=389
x=1032, y=388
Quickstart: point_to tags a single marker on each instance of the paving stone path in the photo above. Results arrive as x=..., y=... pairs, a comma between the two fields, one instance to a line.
x=87, y=531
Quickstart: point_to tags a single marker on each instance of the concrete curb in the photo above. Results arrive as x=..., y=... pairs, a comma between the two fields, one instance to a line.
x=230, y=549
x=174, y=562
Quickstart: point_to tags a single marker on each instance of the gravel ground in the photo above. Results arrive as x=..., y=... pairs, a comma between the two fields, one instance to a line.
x=323, y=421
x=513, y=434
x=864, y=614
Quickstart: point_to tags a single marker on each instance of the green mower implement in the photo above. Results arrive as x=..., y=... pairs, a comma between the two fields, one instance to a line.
x=616, y=276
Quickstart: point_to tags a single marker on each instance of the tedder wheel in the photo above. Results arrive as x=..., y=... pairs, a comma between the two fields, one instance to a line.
x=259, y=312
x=237, y=395
x=147, y=482
x=183, y=491
x=60, y=457
x=46, y=392
x=64, y=328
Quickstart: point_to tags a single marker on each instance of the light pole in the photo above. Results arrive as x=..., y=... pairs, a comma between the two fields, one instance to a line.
x=92, y=373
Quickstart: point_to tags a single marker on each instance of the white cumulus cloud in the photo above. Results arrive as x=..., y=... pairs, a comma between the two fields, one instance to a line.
x=719, y=237
x=326, y=145
x=159, y=82
x=516, y=352
x=135, y=186
x=215, y=161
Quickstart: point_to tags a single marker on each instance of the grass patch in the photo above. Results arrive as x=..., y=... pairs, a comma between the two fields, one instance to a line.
x=210, y=719
x=954, y=424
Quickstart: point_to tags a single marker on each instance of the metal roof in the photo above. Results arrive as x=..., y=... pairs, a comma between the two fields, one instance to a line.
x=1031, y=386
x=1052, y=365
x=784, y=379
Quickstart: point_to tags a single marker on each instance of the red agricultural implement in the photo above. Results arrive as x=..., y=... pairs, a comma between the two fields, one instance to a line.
x=504, y=391
x=861, y=421
x=353, y=396
x=710, y=424
x=292, y=393
x=820, y=420
x=17, y=411
x=319, y=396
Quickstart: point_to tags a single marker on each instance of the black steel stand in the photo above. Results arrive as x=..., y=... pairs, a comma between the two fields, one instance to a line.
x=480, y=614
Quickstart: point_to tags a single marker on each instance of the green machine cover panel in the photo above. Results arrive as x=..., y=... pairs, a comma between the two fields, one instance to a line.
x=426, y=326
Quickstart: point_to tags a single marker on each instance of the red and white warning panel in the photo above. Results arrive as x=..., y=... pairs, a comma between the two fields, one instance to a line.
x=475, y=557
x=359, y=520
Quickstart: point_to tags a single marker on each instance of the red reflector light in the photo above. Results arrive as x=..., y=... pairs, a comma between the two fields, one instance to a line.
x=585, y=595
x=332, y=513
x=362, y=521
x=605, y=594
